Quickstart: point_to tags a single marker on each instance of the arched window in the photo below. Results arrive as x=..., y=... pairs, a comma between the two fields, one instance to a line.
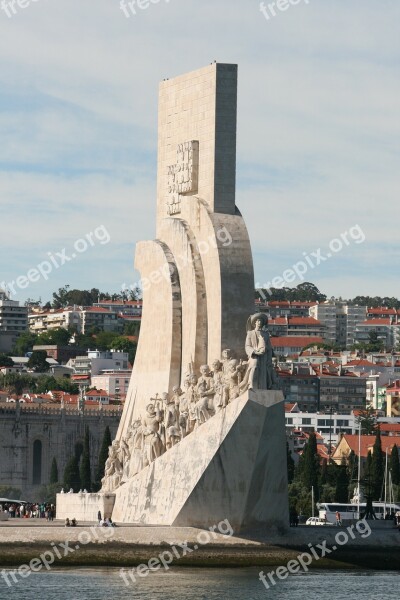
x=37, y=462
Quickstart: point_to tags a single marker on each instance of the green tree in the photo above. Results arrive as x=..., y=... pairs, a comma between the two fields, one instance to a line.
x=72, y=477
x=367, y=420
x=67, y=297
x=17, y=384
x=6, y=361
x=394, y=465
x=48, y=493
x=102, y=457
x=37, y=361
x=54, y=337
x=105, y=340
x=290, y=464
x=78, y=449
x=8, y=491
x=132, y=328
x=54, y=471
x=24, y=343
x=122, y=344
x=45, y=383
x=300, y=499
x=85, y=471
x=377, y=467
x=304, y=292
x=342, y=484
x=310, y=466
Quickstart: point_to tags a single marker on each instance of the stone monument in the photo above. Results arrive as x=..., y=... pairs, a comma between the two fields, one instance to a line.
x=202, y=435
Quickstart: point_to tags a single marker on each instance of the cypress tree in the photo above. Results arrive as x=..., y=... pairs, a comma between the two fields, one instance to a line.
x=103, y=457
x=72, y=477
x=54, y=471
x=78, y=450
x=394, y=465
x=377, y=467
x=342, y=484
x=324, y=473
x=310, y=465
x=85, y=473
x=290, y=464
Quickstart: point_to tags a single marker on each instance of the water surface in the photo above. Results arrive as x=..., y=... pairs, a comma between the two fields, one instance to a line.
x=202, y=584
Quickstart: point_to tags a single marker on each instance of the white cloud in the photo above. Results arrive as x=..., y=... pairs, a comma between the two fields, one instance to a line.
x=318, y=128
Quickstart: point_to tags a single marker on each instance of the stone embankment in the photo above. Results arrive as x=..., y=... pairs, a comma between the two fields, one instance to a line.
x=124, y=546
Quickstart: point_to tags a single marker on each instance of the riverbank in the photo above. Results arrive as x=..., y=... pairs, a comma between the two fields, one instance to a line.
x=129, y=546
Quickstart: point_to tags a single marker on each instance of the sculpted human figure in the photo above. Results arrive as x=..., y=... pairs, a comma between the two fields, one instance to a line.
x=171, y=419
x=153, y=446
x=233, y=378
x=206, y=393
x=260, y=373
x=218, y=377
x=125, y=453
x=192, y=401
x=113, y=469
x=184, y=410
x=227, y=356
x=136, y=461
x=176, y=395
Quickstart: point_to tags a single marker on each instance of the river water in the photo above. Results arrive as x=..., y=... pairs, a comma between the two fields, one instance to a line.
x=202, y=584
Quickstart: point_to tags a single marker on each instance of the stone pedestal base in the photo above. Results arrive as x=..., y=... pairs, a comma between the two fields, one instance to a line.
x=84, y=507
x=232, y=467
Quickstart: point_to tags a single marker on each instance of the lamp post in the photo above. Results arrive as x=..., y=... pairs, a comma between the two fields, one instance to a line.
x=330, y=431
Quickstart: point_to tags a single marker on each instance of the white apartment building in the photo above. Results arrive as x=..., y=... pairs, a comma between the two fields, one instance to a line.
x=340, y=321
x=80, y=319
x=116, y=383
x=97, y=361
x=13, y=321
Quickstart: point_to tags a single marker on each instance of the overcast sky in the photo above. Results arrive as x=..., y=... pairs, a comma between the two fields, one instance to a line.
x=318, y=133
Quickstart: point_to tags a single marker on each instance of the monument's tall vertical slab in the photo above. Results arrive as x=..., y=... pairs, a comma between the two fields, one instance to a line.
x=215, y=449
x=201, y=107
x=197, y=275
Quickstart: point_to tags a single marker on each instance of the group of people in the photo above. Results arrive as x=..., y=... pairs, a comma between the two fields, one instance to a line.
x=106, y=522
x=172, y=417
x=28, y=510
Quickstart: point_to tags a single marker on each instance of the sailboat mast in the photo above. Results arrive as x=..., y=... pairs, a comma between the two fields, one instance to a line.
x=359, y=471
x=386, y=476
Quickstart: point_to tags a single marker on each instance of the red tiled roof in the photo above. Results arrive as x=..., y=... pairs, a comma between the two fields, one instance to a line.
x=367, y=442
x=278, y=321
x=303, y=321
x=383, y=310
x=383, y=321
x=360, y=363
x=390, y=427
x=121, y=302
x=295, y=341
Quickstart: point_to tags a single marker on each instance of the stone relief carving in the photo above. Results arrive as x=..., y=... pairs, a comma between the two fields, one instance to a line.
x=182, y=177
x=170, y=418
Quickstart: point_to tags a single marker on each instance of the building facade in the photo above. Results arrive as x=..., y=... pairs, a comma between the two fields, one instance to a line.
x=32, y=435
x=13, y=322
